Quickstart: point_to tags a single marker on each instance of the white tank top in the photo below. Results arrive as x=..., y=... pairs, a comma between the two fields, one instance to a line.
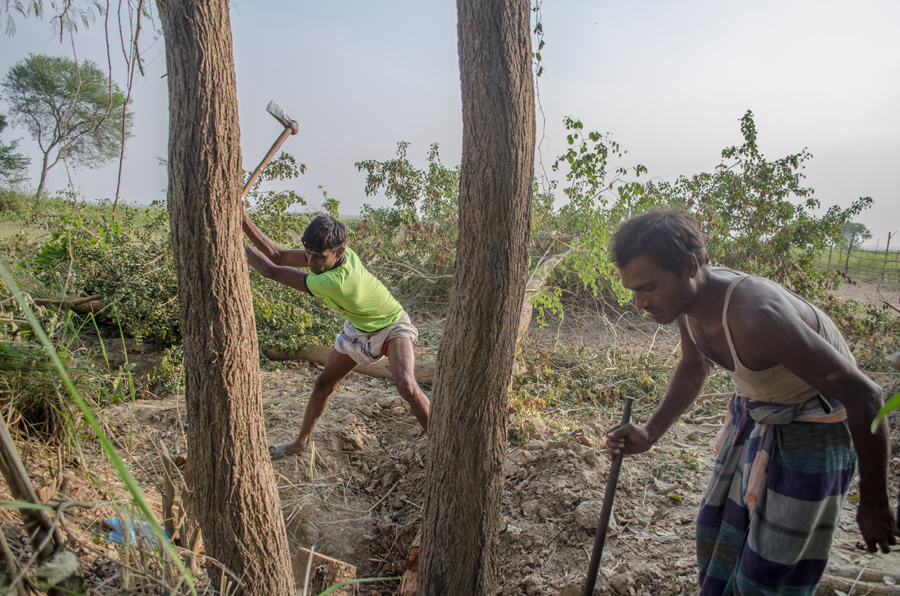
x=776, y=384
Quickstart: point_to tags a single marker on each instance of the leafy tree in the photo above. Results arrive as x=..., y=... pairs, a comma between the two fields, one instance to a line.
x=65, y=16
x=12, y=164
x=410, y=244
x=599, y=197
x=758, y=216
x=73, y=111
x=855, y=234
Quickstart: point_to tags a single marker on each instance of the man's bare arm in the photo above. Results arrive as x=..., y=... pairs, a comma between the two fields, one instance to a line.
x=273, y=251
x=775, y=332
x=683, y=389
x=283, y=275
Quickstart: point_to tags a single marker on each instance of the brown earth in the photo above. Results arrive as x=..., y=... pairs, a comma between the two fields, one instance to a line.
x=358, y=496
x=884, y=296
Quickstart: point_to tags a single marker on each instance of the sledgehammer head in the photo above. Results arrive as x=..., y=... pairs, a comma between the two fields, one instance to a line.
x=280, y=115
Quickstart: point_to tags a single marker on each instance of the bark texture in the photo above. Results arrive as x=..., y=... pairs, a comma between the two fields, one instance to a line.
x=467, y=430
x=235, y=495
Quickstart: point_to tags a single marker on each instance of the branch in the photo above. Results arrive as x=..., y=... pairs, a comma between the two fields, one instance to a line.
x=430, y=279
x=68, y=303
x=889, y=305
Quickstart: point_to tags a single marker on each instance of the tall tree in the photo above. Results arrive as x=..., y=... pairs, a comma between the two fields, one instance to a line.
x=73, y=111
x=467, y=429
x=855, y=234
x=234, y=486
x=12, y=164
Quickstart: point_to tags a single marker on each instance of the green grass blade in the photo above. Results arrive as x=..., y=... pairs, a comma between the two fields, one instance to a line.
x=891, y=405
x=117, y=462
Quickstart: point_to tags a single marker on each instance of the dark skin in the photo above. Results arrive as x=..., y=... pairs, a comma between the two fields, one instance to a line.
x=769, y=326
x=280, y=264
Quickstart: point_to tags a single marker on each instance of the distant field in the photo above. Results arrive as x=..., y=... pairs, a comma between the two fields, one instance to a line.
x=9, y=228
x=880, y=266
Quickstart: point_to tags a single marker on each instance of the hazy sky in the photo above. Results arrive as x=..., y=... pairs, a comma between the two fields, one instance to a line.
x=668, y=80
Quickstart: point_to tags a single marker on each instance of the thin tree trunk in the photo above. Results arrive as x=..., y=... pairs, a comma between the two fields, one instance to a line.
x=849, y=250
x=234, y=487
x=40, y=188
x=467, y=428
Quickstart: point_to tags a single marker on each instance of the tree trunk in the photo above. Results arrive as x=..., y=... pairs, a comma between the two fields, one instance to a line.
x=235, y=495
x=849, y=250
x=467, y=428
x=40, y=188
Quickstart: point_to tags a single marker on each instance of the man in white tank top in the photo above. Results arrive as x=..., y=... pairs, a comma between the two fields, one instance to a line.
x=799, y=401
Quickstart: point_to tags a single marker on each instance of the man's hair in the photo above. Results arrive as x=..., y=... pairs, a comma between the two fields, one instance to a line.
x=665, y=236
x=323, y=233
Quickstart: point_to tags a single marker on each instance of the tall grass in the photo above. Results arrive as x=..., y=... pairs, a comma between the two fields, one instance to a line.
x=57, y=394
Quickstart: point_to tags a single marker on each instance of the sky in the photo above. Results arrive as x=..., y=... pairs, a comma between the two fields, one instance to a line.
x=669, y=81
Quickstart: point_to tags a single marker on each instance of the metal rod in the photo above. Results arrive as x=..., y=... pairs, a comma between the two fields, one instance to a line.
x=606, y=510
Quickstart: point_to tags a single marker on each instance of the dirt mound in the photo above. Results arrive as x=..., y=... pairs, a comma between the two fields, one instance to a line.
x=358, y=495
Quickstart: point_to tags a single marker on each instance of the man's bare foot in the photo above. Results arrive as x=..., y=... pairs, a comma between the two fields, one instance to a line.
x=284, y=449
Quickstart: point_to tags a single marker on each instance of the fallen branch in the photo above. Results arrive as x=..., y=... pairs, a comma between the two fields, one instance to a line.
x=424, y=371
x=326, y=572
x=429, y=279
x=83, y=305
x=47, y=545
x=865, y=574
x=535, y=283
x=832, y=584
x=69, y=301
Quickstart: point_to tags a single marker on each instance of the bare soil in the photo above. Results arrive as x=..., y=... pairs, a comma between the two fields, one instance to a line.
x=884, y=296
x=358, y=495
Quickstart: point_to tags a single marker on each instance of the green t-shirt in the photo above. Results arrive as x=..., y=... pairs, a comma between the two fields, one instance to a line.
x=357, y=294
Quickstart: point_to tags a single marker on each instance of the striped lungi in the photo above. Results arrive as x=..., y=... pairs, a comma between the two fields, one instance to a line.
x=772, y=506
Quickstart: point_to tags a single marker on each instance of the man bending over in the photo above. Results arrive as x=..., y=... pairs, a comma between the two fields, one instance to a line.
x=376, y=324
x=799, y=417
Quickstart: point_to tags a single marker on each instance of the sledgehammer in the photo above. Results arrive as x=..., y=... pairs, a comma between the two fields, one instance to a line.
x=606, y=510
x=290, y=128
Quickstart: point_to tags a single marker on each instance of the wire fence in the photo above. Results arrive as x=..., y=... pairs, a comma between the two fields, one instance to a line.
x=880, y=266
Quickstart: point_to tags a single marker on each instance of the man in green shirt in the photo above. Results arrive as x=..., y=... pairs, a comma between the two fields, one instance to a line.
x=376, y=324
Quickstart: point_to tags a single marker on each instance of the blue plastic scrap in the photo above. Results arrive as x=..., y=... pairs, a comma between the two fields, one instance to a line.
x=140, y=532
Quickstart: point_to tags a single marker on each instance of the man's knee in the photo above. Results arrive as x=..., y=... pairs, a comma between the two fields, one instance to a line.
x=325, y=382
x=407, y=387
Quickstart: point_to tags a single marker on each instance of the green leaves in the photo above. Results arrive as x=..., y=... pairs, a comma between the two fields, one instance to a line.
x=598, y=198
x=12, y=164
x=758, y=217
x=891, y=405
x=419, y=229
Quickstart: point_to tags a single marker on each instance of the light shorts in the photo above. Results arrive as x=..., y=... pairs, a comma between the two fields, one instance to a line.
x=369, y=348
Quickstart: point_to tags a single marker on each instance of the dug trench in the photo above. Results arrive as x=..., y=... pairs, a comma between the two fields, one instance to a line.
x=358, y=495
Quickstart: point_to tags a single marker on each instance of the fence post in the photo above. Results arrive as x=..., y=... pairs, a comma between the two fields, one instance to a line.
x=849, y=250
x=887, y=250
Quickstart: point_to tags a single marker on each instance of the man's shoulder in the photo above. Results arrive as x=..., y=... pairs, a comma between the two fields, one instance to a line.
x=759, y=305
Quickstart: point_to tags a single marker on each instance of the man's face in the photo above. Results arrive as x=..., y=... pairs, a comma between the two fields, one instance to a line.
x=661, y=293
x=320, y=262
